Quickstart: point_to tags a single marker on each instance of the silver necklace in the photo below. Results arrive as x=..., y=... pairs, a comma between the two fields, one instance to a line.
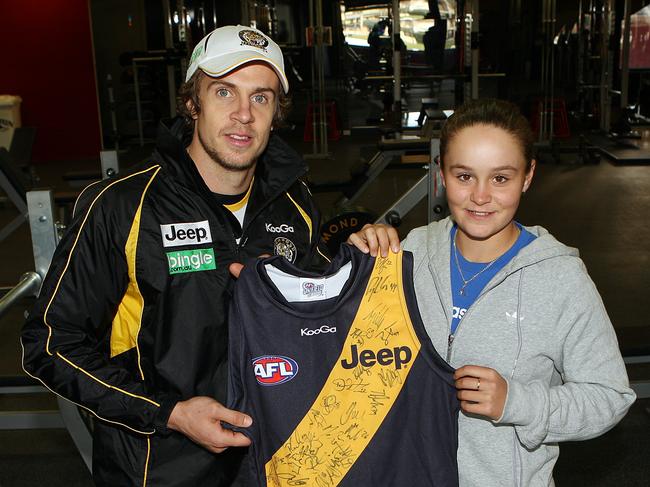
x=467, y=281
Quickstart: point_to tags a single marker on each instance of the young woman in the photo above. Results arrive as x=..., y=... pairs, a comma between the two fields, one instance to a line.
x=511, y=308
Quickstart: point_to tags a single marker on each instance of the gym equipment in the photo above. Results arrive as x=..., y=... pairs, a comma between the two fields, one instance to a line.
x=407, y=143
x=15, y=186
x=16, y=183
x=585, y=152
x=45, y=236
x=388, y=150
x=430, y=185
x=16, y=173
x=318, y=95
x=434, y=43
x=167, y=58
x=337, y=229
x=466, y=73
x=45, y=232
x=348, y=218
x=331, y=115
x=397, y=62
x=596, y=25
x=110, y=166
x=15, y=190
x=421, y=150
x=546, y=104
x=21, y=149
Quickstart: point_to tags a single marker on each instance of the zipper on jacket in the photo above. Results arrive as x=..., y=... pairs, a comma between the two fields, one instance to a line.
x=238, y=246
x=439, y=287
x=452, y=336
x=450, y=341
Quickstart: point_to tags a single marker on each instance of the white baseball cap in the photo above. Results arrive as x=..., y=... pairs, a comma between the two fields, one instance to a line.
x=227, y=48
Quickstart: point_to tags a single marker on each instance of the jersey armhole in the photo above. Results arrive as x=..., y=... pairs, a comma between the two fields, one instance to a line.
x=435, y=361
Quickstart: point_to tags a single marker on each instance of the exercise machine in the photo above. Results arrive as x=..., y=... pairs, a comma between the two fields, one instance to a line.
x=429, y=186
x=45, y=233
x=350, y=219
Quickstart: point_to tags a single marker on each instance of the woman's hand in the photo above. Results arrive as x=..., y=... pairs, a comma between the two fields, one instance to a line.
x=377, y=237
x=481, y=390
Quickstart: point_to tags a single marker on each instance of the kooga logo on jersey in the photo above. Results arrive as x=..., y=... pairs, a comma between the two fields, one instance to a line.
x=317, y=331
x=271, y=370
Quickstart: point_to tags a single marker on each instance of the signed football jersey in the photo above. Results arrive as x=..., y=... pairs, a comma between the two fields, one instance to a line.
x=339, y=376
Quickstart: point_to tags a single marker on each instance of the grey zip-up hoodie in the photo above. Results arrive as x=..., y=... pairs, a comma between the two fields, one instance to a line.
x=541, y=324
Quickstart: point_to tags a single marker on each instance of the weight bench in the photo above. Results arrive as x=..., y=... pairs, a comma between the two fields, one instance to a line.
x=388, y=150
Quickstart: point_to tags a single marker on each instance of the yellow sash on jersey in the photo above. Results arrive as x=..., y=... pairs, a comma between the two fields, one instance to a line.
x=360, y=390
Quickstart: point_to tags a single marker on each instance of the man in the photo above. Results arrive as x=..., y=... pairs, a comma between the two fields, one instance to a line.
x=131, y=320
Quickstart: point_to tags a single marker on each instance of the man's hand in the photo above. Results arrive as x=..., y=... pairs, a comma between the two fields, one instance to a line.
x=236, y=267
x=481, y=390
x=373, y=238
x=199, y=418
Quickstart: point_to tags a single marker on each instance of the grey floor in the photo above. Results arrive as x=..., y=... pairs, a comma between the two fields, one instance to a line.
x=601, y=209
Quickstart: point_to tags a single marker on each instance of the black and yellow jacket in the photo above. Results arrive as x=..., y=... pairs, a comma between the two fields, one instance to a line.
x=132, y=315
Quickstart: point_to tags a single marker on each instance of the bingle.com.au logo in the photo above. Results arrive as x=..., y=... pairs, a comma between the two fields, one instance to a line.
x=194, y=260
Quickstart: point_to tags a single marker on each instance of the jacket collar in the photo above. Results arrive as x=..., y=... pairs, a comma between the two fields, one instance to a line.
x=278, y=167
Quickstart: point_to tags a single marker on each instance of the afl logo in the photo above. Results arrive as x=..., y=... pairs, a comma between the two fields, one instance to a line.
x=253, y=39
x=286, y=248
x=271, y=370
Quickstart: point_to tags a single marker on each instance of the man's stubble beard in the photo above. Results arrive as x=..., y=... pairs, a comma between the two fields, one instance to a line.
x=222, y=160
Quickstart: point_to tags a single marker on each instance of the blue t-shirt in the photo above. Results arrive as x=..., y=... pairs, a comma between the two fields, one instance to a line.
x=471, y=291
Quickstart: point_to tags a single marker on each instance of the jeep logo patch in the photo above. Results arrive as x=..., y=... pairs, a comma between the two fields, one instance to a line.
x=193, y=233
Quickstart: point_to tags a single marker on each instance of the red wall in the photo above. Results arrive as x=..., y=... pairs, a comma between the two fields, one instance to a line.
x=46, y=58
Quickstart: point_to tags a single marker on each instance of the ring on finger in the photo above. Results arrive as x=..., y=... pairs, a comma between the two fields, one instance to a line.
x=478, y=383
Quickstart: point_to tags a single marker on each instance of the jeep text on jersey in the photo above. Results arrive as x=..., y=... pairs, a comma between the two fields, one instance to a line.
x=385, y=356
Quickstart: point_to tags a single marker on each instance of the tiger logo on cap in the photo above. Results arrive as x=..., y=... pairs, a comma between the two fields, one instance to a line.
x=253, y=39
